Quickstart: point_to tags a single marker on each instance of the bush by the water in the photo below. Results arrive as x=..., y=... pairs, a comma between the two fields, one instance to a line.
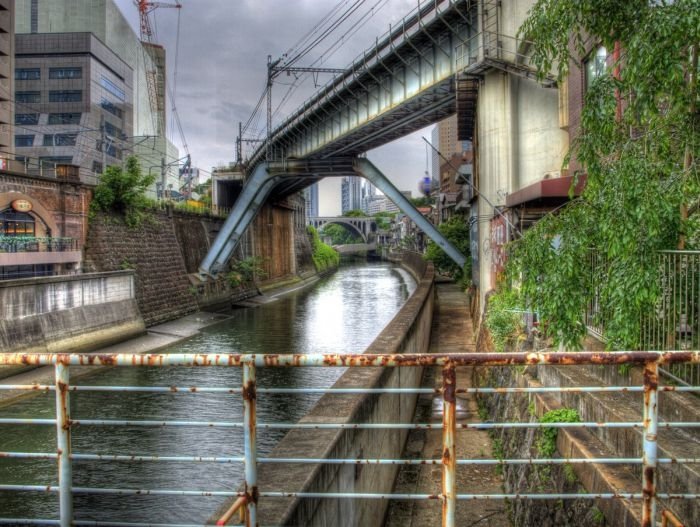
x=323, y=255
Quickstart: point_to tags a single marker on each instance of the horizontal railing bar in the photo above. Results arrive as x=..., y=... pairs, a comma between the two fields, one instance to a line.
x=330, y=461
x=132, y=524
x=438, y=426
x=343, y=426
x=119, y=422
x=28, y=455
x=344, y=360
x=334, y=495
x=361, y=495
x=33, y=387
x=27, y=521
x=237, y=391
x=19, y=421
x=117, y=457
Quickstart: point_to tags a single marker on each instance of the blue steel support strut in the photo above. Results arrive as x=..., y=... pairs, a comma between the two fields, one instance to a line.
x=366, y=169
x=254, y=193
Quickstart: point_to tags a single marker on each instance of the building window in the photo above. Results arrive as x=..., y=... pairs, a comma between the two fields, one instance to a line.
x=24, y=140
x=13, y=223
x=114, y=152
x=10, y=272
x=56, y=160
x=28, y=96
x=27, y=74
x=60, y=139
x=595, y=65
x=66, y=96
x=97, y=167
x=112, y=130
x=112, y=88
x=64, y=118
x=65, y=73
x=112, y=108
x=26, y=118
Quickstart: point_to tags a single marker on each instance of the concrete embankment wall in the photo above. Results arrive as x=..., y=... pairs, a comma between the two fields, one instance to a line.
x=64, y=314
x=408, y=332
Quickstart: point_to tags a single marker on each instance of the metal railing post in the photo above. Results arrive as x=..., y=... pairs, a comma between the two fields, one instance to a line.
x=250, y=450
x=649, y=458
x=449, y=458
x=63, y=445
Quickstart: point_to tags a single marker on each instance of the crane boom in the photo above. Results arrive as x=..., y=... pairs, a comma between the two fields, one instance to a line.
x=145, y=7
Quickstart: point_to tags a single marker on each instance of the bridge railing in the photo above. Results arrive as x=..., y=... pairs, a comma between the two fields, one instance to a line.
x=647, y=493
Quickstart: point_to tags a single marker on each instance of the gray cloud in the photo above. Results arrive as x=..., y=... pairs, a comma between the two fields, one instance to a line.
x=222, y=57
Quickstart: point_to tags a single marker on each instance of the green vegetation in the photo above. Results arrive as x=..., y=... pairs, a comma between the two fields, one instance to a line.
x=245, y=271
x=639, y=143
x=323, y=255
x=340, y=235
x=546, y=443
x=423, y=201
x=383, y=220
x=123, y=190
x=502, y=320
x=354, y=213
x=456, y=231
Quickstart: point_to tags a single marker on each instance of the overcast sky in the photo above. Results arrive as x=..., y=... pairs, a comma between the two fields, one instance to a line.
x=221, y=72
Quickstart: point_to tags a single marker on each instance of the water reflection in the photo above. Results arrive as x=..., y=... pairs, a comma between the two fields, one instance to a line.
x=342, y=314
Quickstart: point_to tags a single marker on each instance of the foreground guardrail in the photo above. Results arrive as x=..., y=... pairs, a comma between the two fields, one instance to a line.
x=249, y=392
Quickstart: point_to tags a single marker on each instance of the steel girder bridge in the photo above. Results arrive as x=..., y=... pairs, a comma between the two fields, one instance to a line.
x=408, y=80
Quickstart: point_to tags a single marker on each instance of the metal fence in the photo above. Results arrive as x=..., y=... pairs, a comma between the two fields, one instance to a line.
x=250, y=494
x=675, y=322
x=32, y=244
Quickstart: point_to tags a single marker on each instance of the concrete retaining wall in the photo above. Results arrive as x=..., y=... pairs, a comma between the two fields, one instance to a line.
x=408, y=332
x=63, y=314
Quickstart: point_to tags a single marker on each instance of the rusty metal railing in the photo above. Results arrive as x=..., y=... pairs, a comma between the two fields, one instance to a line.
x=675, y=321
x=250, y=494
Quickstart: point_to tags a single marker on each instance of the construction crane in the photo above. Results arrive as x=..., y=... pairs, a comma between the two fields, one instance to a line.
x=145, y=7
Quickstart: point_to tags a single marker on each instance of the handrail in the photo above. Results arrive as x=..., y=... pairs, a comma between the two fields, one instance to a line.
x=250, y=494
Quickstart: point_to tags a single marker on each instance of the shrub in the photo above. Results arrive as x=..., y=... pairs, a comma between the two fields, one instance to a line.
x=323, y=255
x=123, y=190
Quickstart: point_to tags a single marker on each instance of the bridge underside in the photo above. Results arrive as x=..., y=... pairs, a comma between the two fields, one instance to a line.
x=292, y=175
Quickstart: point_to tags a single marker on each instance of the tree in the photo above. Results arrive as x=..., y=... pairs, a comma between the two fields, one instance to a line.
x=124, y=191
x=354, y=213
x=340, y=235
x=457, y=233
x=638, y=142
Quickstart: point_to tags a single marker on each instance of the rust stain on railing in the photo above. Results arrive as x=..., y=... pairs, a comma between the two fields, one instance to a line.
x=247, y=499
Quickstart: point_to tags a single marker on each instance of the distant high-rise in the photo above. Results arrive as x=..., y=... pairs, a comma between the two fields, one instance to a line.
x=351, y=193
x=77, y=105
x=7, y=59
x=311, y=199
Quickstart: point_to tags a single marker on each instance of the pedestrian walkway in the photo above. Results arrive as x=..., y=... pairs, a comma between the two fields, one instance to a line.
x=451, y=333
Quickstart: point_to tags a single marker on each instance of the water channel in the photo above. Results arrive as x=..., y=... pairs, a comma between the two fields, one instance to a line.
x=341, y=314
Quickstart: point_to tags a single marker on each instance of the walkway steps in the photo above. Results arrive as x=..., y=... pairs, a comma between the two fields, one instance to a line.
x=627, y=442
x=451, y=333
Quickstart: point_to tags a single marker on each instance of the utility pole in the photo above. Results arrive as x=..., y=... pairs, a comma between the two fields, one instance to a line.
x=239, y=144
x=273, y=70
x=162, y=176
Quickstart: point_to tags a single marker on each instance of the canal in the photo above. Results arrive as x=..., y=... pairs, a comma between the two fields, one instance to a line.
x=343, y=313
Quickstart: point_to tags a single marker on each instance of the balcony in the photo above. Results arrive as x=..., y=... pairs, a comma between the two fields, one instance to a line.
x=28, y=250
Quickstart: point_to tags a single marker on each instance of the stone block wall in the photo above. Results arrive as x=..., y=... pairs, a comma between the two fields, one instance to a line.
x=163, y=290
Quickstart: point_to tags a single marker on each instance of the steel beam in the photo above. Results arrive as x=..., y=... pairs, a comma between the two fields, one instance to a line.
x=367, y=170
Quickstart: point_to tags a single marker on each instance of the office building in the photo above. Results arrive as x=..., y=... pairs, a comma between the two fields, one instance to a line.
x=7, y=58
x=140, y=123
